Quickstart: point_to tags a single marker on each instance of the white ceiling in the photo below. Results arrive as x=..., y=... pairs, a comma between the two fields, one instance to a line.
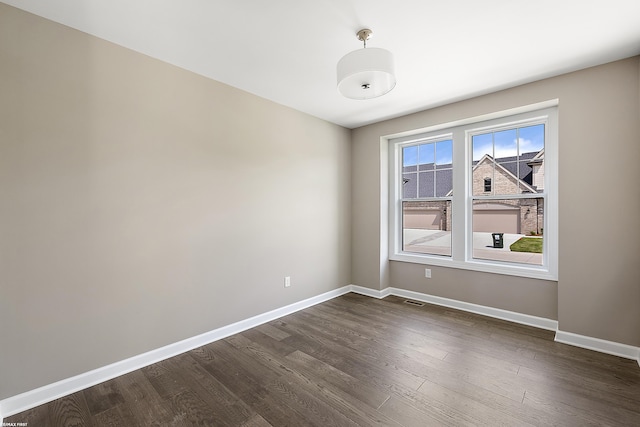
x=287, y=50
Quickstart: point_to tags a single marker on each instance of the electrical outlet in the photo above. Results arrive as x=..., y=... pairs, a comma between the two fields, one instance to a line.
x=427, y=273
x=287, y=281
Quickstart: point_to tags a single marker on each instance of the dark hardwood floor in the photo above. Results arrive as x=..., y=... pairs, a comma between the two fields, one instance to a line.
x=356, y=360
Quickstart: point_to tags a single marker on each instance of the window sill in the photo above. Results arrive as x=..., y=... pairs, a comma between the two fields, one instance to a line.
x=520, y=270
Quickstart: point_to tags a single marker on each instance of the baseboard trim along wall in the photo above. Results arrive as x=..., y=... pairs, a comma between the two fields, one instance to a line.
x=600, y=345
x=589, y=343
x=511, y=316
x=30, y=399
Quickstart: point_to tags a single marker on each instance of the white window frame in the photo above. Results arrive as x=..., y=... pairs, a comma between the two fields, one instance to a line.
x=461, y=204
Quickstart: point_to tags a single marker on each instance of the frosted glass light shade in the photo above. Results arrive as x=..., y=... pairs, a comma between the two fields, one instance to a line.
x=366, y=73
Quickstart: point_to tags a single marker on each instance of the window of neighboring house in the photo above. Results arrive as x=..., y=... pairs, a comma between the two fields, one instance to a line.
x=487, y=185
x=478, y=194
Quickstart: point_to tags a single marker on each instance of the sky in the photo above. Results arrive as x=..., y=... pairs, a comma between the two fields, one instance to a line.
x=441, y=151
x=509, y=142
x=497, y=144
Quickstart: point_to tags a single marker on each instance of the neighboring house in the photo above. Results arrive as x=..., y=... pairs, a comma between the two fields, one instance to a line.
x=501, y=176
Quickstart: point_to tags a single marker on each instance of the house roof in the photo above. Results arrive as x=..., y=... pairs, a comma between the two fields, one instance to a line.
x=519, y=167
x=432, y=182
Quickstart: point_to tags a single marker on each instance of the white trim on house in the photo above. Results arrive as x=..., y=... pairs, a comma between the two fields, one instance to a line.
x=30, y=399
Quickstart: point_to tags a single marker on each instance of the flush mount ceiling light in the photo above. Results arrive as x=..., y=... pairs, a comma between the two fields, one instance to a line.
x=366, y=73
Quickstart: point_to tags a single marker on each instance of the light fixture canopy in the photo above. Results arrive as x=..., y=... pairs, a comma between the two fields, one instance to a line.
x=366, y=73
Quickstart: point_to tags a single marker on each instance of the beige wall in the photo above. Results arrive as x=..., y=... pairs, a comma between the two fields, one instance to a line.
x=142, y=204
x=598, y=292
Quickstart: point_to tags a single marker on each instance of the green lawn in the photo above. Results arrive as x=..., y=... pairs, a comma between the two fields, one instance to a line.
x=527, y=244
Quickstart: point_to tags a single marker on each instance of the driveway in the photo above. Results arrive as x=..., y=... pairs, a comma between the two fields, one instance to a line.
x=438, y=242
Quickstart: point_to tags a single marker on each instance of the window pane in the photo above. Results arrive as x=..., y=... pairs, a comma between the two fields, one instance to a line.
x=519, y=223
x=512, y=160
x=425, y=154
x=444, y=183
x=426, y=184
x=444, y=153
x=505, y=144
x=482, y=145
x=425, y=159
x=531, y=138
x=426, y=227
x=409, y=185
x=410, y=156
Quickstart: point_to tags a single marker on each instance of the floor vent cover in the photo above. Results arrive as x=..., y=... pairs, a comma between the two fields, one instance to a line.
x=419, y=304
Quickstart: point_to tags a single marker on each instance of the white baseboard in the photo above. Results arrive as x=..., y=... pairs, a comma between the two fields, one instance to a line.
x=41, y=395
x=511, y=316
x=31, y=399
x=596, y=344
x=589, y=343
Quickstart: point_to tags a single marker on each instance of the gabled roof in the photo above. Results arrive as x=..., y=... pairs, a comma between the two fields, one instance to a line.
x=511, y=168
x=519, y=168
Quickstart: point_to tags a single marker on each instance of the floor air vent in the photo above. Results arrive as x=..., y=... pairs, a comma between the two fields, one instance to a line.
x=416, y=303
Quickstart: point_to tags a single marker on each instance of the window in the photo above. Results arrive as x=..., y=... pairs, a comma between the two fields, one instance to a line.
x=487, y=185
x=427, y=177
x=478, y=194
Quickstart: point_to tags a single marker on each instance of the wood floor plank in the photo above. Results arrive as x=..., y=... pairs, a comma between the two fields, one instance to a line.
x=256, y=421
x=227, y=407
x=402, y=411
x=327, y=394
x=250, y=387
x=323, y=372
x=117, y=416
x=272, y=331
x=365, y=364
x=467, y=365
x=103, y=397
x=165, y=382
x=189, y=409
x=71, y=411
x=38, y=416
x=356, y=360
x=567, y=414
x=442, y=333
x=419, y=345
x=145, y=403
x=474, y=411
x=273, y=345
x=581, y=396
x=313, y=409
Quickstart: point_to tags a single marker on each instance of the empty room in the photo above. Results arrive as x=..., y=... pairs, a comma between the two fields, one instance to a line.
x=329, y=213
